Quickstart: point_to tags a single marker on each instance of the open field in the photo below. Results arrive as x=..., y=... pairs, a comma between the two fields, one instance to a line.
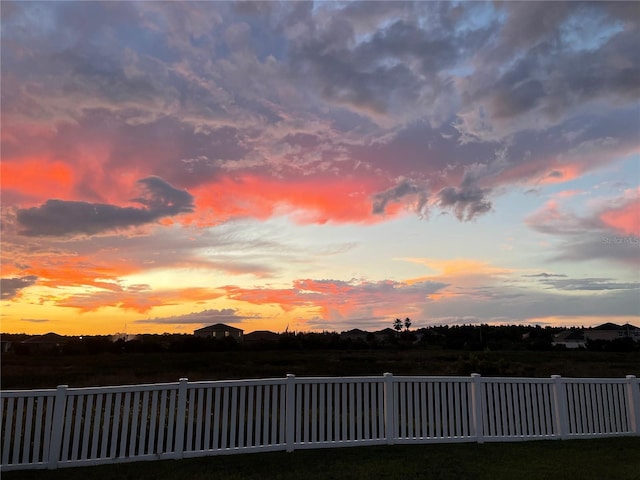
x=24, y=371
x=612, y=458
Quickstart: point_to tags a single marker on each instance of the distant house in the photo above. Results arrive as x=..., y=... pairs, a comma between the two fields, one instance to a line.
x=47, y=343
x=355, y=334
x=261, y=336
x=611, y=331
x=385, y=334
x=570, y=339
x=219, y=331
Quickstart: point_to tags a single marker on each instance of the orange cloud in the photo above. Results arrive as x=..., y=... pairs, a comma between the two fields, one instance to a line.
x=340, y=299
x=71, y=270
x=458, y=267
x=287, y=299
x=137, y=298
x=38, y=177
x=307, y=200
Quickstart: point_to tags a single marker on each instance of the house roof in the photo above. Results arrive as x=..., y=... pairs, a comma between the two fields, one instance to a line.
x=47, y=338
x=612, y=326
x=261, y=335
x=608, y=326
x=218, y=327
x=353, y=333
x=387, y=331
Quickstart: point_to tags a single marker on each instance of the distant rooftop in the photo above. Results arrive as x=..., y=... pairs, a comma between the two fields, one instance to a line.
x=218, y=326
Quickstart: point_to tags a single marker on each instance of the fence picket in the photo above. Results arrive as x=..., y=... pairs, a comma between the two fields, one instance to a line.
x=241, y=414
x=68, y=421
x=88, y=410
x=216, y=419
x=208, y=413
x=133, y=439
x=274, y=415
x=235, y=426
x=171, y=422
x=36, y=457
x=450, y=407
x=360, y=414
x=314, y=412
x=265, y=416
x=17, y=437
x=125, y=425
x=283, y=414
x=152, y=422
x=322, y=411
x=305, y=413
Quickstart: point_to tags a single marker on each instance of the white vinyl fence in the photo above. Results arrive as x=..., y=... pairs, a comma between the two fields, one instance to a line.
x=66, y=427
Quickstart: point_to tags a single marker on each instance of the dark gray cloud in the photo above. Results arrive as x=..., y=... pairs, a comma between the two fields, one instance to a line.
x=592, y=284
x=405, y=187
x=533, y=304
x=466, y=202
x=530, y=22
x=10, y=287
x=545, y=275
x=61, y=218
x=356, y=60
x=623, y=250
x=553, y=67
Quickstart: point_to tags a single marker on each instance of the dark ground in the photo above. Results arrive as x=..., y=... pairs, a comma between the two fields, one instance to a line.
x=47, y=371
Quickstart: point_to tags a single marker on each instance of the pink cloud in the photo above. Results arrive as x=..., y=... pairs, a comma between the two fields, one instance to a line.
x=624, y=219
x=333, y=299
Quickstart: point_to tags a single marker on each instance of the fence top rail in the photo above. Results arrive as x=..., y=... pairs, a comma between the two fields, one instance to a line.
x=147, y=387
x=234, y=383
x=49, y=392
x=312, y=380
x=115, y=389
x=528, y=380
x=434, y=379
x=596, y=380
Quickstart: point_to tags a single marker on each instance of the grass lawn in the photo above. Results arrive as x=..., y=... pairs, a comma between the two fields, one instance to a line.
x=611, y=458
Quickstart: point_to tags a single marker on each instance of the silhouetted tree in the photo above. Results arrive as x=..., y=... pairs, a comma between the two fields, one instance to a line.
x=407, y=323
x=397, y=325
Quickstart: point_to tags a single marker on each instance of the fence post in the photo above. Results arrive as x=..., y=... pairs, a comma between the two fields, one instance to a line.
x=290, y=412
x=389, y=409
x=633, y=400
x=476, y=402
x=55, y=444
x=181, y=418
x=560, y=406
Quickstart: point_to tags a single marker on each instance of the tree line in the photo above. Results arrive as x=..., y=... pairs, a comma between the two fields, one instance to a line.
x=446, y=337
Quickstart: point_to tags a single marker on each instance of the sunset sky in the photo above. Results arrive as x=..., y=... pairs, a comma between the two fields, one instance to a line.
x=318, y=166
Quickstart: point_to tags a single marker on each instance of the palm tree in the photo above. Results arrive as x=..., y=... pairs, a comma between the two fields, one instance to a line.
x=407, y=323
x=397, y=325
